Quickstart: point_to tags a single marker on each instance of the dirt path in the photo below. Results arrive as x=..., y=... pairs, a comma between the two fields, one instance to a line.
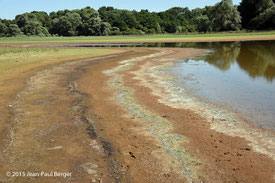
x=98, y=120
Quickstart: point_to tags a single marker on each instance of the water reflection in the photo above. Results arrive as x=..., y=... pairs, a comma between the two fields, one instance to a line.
x=223, y=56
x=258, y=60
x=223, y=77
x=255, y=58
x=233, y=87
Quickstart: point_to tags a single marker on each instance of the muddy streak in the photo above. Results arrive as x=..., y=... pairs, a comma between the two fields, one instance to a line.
x=189, y=125
x=223, y=158
x=47, y=127
x=107, y=148
x=172, y=155
x=221, y=120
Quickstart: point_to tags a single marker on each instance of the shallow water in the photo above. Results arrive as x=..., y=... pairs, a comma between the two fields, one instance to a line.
x=236, y=75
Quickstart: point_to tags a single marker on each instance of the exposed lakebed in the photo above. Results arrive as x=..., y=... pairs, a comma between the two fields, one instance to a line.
x=237, y=75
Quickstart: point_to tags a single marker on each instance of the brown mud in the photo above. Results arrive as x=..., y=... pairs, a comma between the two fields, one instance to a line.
x=216, y=157
x=95, y=119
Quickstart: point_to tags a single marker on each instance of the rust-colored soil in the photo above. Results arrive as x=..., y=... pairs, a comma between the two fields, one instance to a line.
x=223, y=158
x=68, y=118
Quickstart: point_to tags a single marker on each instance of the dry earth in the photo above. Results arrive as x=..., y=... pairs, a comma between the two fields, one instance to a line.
x=96, y=119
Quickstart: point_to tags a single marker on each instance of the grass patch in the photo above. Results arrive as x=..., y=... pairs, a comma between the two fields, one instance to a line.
x=11, y=58
x=162, y=37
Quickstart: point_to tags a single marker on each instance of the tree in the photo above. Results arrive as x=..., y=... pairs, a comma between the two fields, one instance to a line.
x=125, y=20
x=31, y=25
x=67, y=25
x=105, y=29
x=158, y=28
x=129, y=18
x=14, y=30
x=250, y=9
x=92, y=24
x=3, y=29
x=43, y=17
x=176, y=19
x=203, y=23
x=35, y=28
x=265, y=20
x=148, y=22
x=224, y=16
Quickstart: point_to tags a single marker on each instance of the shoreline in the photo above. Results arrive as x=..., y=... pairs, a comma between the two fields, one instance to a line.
x=230, y=38
x=237, y=113
x=202, y=99
x=149, y=140
x=142, y=107
x=220, y=117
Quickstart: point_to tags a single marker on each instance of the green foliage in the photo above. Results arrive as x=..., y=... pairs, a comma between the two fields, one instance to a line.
x=223, y=16
x=174, y=19
x=158, y=28
x=115, y=31
x=123, y=19
x=105, y=29
x=43, y=17
x=149, y=22
x=204, y=24
x=250, y=9
x=3, y=29
x=14, y=30
x=32, y=23
x=265, y=20
x=147, y=38
x=67, y=24
x=92, y=25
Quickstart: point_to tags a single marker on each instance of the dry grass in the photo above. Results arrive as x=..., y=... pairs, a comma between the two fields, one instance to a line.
x=11, y=58
x=143, y=38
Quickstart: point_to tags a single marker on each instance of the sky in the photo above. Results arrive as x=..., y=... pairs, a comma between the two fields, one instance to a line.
x=10, y=8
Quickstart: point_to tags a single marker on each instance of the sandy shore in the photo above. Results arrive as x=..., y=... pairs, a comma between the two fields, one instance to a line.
x=117, y=118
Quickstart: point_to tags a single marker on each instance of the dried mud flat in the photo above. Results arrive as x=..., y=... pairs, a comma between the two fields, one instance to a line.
x=113, y=119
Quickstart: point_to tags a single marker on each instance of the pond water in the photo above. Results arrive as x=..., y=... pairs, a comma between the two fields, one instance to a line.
x=236, y=75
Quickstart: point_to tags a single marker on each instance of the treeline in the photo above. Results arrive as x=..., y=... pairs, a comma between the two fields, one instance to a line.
x=223, y=16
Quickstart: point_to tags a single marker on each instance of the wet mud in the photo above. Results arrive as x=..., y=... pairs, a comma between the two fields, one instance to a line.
x=119, y=118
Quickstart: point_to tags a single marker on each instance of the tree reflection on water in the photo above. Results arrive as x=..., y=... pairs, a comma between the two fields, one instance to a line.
x=255, y=58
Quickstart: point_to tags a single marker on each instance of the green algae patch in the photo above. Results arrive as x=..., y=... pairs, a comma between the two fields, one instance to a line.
x=172, y=153
x=221, y=119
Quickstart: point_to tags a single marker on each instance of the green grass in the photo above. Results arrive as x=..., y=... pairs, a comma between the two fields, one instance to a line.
x=165, y=37
x=11, y=58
